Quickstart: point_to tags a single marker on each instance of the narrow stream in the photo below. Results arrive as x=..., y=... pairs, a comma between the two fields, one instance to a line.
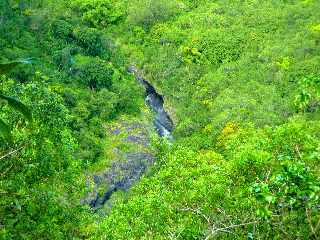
x=154, y=100
x=122, y=176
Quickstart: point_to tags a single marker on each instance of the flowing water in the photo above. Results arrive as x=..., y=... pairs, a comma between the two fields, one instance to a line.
x=122, y=175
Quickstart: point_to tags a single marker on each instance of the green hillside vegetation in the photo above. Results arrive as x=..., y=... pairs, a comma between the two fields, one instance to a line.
x=240, y=79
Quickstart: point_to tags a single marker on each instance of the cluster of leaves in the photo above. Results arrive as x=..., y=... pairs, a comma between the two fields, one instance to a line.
x=191, y=55
x=148, y=13
x=90, y=40
x=99, y=13
x=42, y=180
x=279, y=175
x=94, y=72
x=294, y=188
x=308, y=100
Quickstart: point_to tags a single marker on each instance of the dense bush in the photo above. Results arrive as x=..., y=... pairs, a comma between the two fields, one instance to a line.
x=221, y=47
x=240, y=80
x=255, y=187
x=148, y=12
x=62, y=29
x=64, y=58
x=90, y=39
x=94, y=72
x=99, y=13
x=308, y=99
x=33, y=179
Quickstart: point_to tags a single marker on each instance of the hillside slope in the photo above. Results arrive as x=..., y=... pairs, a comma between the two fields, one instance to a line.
x=240, y=80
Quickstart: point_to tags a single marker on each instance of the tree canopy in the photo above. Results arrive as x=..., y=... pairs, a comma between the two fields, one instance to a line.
x=239, y=79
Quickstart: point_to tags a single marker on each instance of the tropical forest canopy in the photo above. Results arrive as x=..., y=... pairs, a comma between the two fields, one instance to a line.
x=240, y=80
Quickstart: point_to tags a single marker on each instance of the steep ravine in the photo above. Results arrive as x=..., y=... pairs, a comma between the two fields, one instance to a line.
x=123, y=174
x=154, y=100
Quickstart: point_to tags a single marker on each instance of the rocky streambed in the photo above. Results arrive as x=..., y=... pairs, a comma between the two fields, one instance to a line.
x=127, y=167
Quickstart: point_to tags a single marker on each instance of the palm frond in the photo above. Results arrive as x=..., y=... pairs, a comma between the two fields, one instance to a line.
x=7, y=67
x=19, y=106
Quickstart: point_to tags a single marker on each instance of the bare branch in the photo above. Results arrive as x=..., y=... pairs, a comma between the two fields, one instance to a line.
x=227, y=229
x=10, y=153
x=298, y=151
x=196, y=211
x=312, y=228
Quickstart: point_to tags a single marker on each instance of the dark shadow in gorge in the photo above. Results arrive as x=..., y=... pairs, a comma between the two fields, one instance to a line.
x=155, y=101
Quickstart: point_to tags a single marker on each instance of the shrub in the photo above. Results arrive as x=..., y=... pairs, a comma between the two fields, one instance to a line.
x=191, y=55
x=129, y=94
x=90, y=40
x=23, y=74
x=98, y=12
x=221, y=47
x=102, y=105
x=62, y=29
x=63, y=58
x=148, y=12
x=69, y=98
x=291, y=194
x=94, y=72
x=308, y=99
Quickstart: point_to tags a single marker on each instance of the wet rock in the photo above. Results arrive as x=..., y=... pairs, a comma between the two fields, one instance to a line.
x=162, y=122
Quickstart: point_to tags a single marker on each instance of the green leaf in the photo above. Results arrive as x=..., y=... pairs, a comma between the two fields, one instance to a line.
x=7, y=67
x=269, y=198
x=5, y=130
x=19, y=106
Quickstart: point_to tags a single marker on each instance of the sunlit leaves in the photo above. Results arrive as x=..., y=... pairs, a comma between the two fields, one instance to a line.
x=17, y=105
x=308, y=99
x=98, y=13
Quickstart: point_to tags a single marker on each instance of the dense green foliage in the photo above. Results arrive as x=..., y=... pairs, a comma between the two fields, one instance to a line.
x=241, y=81
x=72, y=91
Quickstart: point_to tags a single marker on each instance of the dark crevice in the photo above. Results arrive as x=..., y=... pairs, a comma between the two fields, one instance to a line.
x=137, y=163
x=155, y=101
